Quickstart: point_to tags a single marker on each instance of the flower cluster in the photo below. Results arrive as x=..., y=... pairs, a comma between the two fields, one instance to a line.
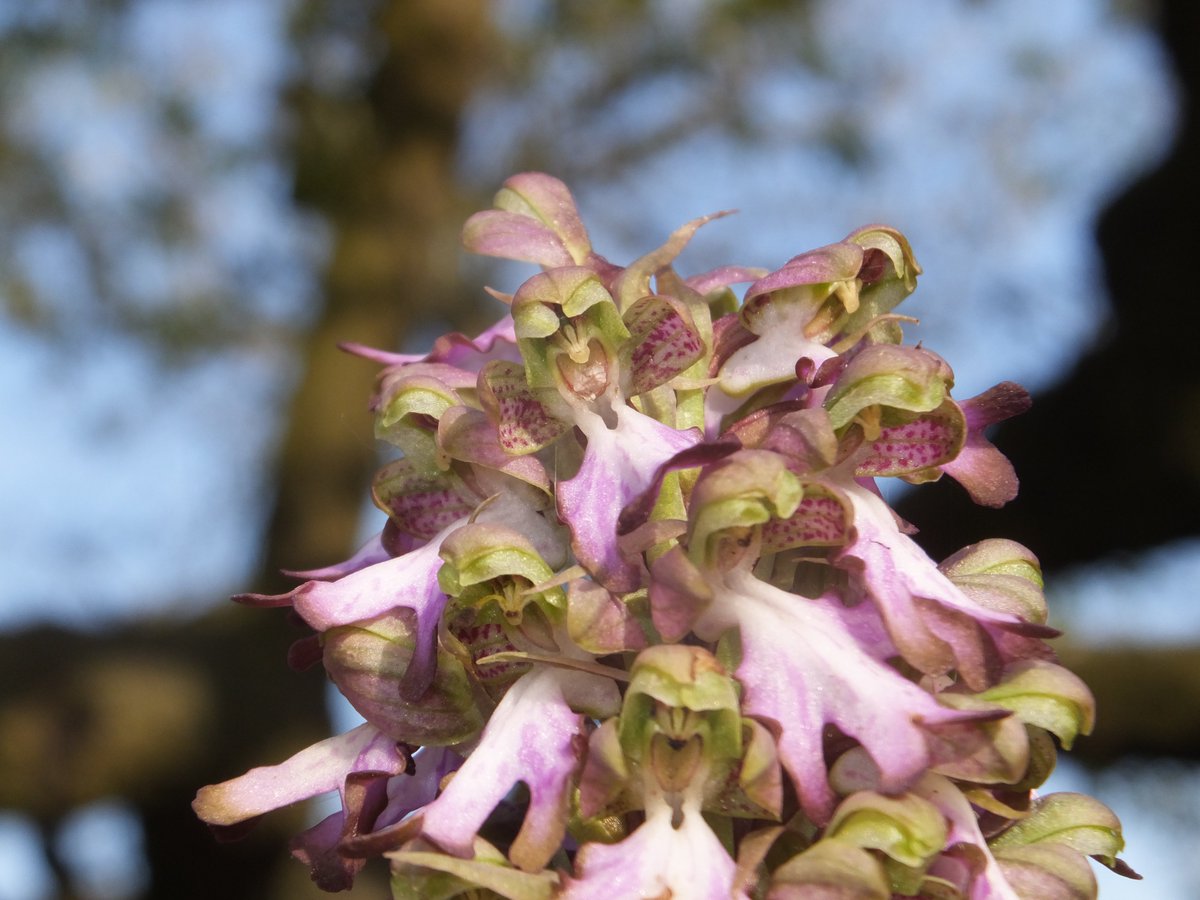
x=640, y=624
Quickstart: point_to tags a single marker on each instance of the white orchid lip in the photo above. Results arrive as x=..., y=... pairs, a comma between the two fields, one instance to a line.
x=642, y=603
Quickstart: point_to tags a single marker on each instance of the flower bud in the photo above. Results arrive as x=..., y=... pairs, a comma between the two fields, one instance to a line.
x=367, y=661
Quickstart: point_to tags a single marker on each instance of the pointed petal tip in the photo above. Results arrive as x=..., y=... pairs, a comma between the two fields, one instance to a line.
x=270, y=600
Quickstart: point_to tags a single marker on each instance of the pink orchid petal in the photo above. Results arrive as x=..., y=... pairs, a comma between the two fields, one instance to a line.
x=802, y=669
x=470, y=436
x=507, y=235
x=408, y=581
x=634, y=282
x=990, y=883
x=545, y=218
x=657, y=860
x=771, y=358
x=723, y=276
x=498, y=341
x=984, y=471
x=618, y=464
x=932, y=622
x=368, y=554
x=408, y=793
x=533, y=737
x=835, y=262
x=315, y=770
x=407, y=796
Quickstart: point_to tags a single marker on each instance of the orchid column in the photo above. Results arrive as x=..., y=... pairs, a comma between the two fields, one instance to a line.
x=640, y=624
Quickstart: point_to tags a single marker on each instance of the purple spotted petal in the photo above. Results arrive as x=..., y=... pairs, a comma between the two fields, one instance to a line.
x=821, y=520
x=664, y=342
x=523, y=423
x=470, y=436
x=618, y=465
x=930, y=439
x=420, y=499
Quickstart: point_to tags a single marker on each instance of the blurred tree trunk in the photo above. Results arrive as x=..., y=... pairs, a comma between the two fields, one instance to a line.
x=1146, y=702
x=151, y=713
x=379, y=168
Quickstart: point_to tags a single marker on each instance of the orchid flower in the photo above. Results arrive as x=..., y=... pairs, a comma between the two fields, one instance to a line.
x=639, y=622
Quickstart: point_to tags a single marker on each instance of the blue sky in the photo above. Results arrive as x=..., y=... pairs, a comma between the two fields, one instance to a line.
x=993, y=133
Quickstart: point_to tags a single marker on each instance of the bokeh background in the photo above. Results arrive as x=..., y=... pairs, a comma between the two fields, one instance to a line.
x=199, y=199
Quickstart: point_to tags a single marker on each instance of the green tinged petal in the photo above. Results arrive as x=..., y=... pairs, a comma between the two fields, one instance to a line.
x=1048, y=872
x=431, y=875
x=888, y=275
x=831, y=870
x=634, y=281
x=546, y=199
x=1000, y=575
x=411, y=406
x=681, y=692
x=569, y=331
x=748, y=489
x=908, y=828
x=903, y=378
x=1046, y=695
x=367, y=663
x=1045, y=853
x=497, y=571
x=1077, y=821
x=482, y=552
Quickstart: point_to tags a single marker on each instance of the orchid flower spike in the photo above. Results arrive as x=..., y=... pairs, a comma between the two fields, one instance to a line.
x=640, y=624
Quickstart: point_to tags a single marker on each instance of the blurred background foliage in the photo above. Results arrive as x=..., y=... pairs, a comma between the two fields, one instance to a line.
x=201, y=200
